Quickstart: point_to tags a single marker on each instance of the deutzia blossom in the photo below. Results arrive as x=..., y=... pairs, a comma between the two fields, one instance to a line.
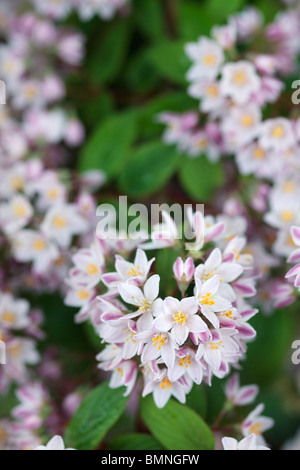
x=56, y=443
x=239, y=81
x=248, y=443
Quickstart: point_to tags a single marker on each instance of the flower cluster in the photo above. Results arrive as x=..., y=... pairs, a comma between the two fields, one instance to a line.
x=235, y=81
x=175, y=341
x=86, y=9
x=19, y=330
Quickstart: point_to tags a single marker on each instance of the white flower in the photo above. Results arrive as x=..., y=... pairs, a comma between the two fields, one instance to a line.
x=181, y=317
x=56, y=443
x=239, y=81
x=248, y=443
x=207, y=56
x=62, y=222
x=15, y=214
x=277, y=134
x=209, y=300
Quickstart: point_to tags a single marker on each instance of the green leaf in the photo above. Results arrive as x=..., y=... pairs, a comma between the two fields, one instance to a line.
x=176, y=426
x=98, y=412
x=170, y=60
x=148, y=15
x=194, y=19
x=109, y=52
x=135, y=442
x=200, y=178
x=140, y=76
x=272, y=354
x=149, y=169
x=197, y=400
x=221, y=13
x=108, y=147
x=164, y=263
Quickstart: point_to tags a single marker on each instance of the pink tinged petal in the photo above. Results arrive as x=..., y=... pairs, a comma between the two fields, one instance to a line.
x=178, y=268
x=246, y=395
x=297, y=281
x=195, y=324
x=131, y=374
x=110, y=278
x=295, y=232
x=129, y=350
x=232, y=386
x=161, y=396
x=107, y=317
x=220, y=304
x=178, y=392
x=168, y=353
x=248, y=443
x=214, y=260
x=224, y=367
x=211, y=285
x=172, y=305
x=151, y=288
x=244, y=289
x=230, y=271
x=215, y=231
x=163, y=322
x=229, y=443
x=56, y=443
x=150, y=353
x=195, y=371
x=180, y=333
x=130, y=294
x=294, y=257
x=213, y=357
x=189, y=268
x=211, y=316
x=282, y=303
x=189, y=305
x=145, y=321
x=294, y=271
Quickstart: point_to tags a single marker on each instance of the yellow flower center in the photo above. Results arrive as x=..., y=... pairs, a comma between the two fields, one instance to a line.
x=287, y=216
x=17, y=183
x=259, y=153
x=185, y=362
x=278, y=132
x=216, y=346
x=256, y=429
x=247, y=120
x=159, y=341
x=92, y=269
x=144, y=305
x=83, y=294
x=134, y=271
x=165, y=384
x=228, y=314
x=240, y=78
x=59, y=222
x=180, y=317
x=19, y=209
x=39, y=245
x=209, y=60
x=212, y=90
x=8, y=317
x=208, y=299
x=53, y=193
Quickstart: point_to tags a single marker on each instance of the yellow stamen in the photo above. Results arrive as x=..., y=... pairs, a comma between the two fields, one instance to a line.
x=180, y=317
x=208, y=299
x=165, y=384
x=159, y=341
